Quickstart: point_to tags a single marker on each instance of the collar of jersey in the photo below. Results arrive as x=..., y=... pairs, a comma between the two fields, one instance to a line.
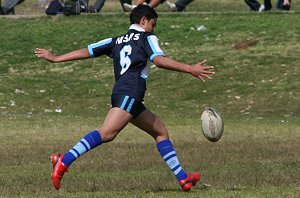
x=137, y=28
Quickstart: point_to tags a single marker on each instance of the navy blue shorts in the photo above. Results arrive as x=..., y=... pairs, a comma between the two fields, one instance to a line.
x=128, y=104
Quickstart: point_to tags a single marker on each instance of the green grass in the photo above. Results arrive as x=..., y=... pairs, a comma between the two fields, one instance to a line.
x=252, y=159
x=259, y=81
x=255, y=88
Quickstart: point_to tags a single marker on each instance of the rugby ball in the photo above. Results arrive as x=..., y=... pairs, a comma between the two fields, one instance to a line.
x=212, y=124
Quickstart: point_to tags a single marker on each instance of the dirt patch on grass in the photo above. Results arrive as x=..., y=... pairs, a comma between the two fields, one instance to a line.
x=244, y=44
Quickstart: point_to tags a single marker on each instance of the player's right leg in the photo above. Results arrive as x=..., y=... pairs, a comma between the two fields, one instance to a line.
x=152, y=125
x=114, y=122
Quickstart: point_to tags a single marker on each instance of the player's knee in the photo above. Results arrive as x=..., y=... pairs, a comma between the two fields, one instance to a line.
x=108, y=135
x=165, y=134
x=163, y=130
x=162, y=134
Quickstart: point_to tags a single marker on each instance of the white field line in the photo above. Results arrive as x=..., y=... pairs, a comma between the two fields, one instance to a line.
x=11, y=115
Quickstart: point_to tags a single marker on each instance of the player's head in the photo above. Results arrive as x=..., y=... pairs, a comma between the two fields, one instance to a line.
x=142, y=11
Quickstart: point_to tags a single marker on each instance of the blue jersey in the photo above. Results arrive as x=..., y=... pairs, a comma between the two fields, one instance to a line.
x=132, y=54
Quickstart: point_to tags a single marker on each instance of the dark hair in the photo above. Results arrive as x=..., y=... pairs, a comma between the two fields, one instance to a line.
x=141, y=11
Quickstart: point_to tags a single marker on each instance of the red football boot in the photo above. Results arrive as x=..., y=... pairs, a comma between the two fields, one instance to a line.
x=59, y=169
x=190, y=181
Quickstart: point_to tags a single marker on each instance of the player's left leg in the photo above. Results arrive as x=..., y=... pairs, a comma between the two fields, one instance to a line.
x=114, y=122
x=152, y=125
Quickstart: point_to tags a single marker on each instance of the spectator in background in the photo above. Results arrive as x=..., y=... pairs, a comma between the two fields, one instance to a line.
x=179, y=5
x=284, y=4
x=100, y=3
x=256, y=6
x=97, y=6
x=9, y=6
x=152, y=3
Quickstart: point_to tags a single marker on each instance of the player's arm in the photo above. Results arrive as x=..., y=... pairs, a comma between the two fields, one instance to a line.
x=198, y=70
x=74, y=55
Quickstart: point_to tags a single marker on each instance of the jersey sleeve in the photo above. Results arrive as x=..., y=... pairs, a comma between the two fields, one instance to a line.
x=100, y=48
x=152, y=47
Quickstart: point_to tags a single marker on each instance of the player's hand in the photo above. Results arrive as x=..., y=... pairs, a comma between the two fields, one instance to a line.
x=43, y=53
x=202, y=72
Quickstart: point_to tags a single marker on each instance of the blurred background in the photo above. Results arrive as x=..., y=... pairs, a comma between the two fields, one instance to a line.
x=37, y=7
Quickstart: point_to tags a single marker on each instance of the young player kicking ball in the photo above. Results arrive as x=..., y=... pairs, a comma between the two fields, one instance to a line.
x=131, y=54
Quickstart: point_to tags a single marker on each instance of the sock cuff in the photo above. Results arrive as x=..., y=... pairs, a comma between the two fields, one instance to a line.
x=95, y=138
x=163, y=143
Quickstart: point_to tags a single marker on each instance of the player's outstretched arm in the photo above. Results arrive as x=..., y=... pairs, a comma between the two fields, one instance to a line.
x=74, y=55
x=198, y=70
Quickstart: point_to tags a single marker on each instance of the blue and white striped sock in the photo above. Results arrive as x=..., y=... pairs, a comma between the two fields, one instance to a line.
x=168, y=153
x=88, y=142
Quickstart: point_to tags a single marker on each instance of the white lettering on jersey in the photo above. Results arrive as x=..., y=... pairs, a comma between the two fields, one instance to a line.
x=136, y=37
x=119, y=40
x=127, y=38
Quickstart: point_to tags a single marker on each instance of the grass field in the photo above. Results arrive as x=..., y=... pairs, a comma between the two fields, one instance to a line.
x=256, y=88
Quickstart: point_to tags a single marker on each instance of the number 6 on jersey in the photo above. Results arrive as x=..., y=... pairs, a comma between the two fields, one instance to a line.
x=125, y=61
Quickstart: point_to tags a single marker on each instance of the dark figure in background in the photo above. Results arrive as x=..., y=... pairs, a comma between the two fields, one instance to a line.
x=97, y=6
x=8, y=7
x=100, y=3
x=256, y=6
x=128, y=7
x=284, y=4
x=179, y=5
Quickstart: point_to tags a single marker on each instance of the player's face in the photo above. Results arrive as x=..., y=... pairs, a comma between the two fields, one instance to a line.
x=149, y=25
